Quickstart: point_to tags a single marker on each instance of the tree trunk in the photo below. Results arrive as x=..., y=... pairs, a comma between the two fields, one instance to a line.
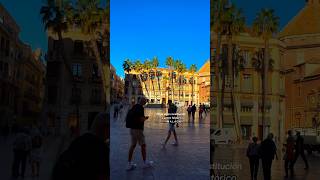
x=172, y=87
x=223, y=84
x=264, y=77
x=216, y=82
x=154, y=92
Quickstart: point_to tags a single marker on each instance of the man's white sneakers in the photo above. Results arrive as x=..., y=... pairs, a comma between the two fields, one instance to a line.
x=131, y=166
x=148, y=164
x=175, y=144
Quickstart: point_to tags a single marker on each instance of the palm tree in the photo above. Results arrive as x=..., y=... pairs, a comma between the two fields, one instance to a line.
x=166, y=79
x=53, y=18
x=143, y=76
x=218, y=8
x=127, y=66
x=257, y=60
x=233, y=23
x=153, y=75
x=147, y=66
x=170, y=64
x=180, y=68
x=93, y=21
x=265, y=25
x=192, y=69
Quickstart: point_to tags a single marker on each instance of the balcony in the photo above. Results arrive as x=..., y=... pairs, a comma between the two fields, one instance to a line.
x=77, y=79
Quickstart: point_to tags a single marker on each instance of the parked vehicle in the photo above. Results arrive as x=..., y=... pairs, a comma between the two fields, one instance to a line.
x=223, y=136
x=311, y=138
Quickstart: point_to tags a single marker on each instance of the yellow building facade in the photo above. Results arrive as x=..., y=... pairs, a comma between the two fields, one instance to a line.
x=301, y=38
x=158, y=86
x=248, y=90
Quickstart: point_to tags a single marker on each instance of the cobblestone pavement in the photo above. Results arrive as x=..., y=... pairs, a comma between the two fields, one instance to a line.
x=227, y=154
x=189, y=160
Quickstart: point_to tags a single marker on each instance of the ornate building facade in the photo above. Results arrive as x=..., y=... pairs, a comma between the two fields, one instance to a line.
x=75, y=92
x=158, y=86
x=301, y=37
x=117, y=86
x=248, y=91
x=22, y=75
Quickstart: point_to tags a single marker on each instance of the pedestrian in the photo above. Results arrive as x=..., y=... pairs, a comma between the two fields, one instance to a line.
x=300, y=150
x=115, y=112
x=204, y=109
x=267, y=152
x=172, y=119
x=253, y=155
x=135, y=121
x=36, y=153
x=189, y=112
x=289, y=154
x=193, y=111
x=87, y=157
x=21, y=151
x=200, y=111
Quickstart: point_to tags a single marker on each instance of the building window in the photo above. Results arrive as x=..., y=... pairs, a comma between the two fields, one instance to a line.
x=96, y=96
x=78, y=47
x=95, y=71
x=2, y=48
x=7, y=49
x=6, y=70
x=247, y=82
x=246, y=58
x=52, y=94
x=75, y=95
x=77, y=70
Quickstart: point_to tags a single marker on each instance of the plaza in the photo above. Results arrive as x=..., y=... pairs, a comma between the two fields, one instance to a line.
x=188, y=160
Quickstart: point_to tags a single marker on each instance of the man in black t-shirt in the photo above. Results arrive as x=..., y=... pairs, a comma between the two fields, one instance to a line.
x=137, y=119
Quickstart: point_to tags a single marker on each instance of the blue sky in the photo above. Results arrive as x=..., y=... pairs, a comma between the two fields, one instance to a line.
x=143, y=29
x=285, y=9
x=26, y=15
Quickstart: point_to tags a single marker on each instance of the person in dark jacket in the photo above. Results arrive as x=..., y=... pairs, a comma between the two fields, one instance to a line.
x=88, y=155
x=193, y=111
x=289, y=154
x=267, y=151
x=300, y=150
x=253, y=155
